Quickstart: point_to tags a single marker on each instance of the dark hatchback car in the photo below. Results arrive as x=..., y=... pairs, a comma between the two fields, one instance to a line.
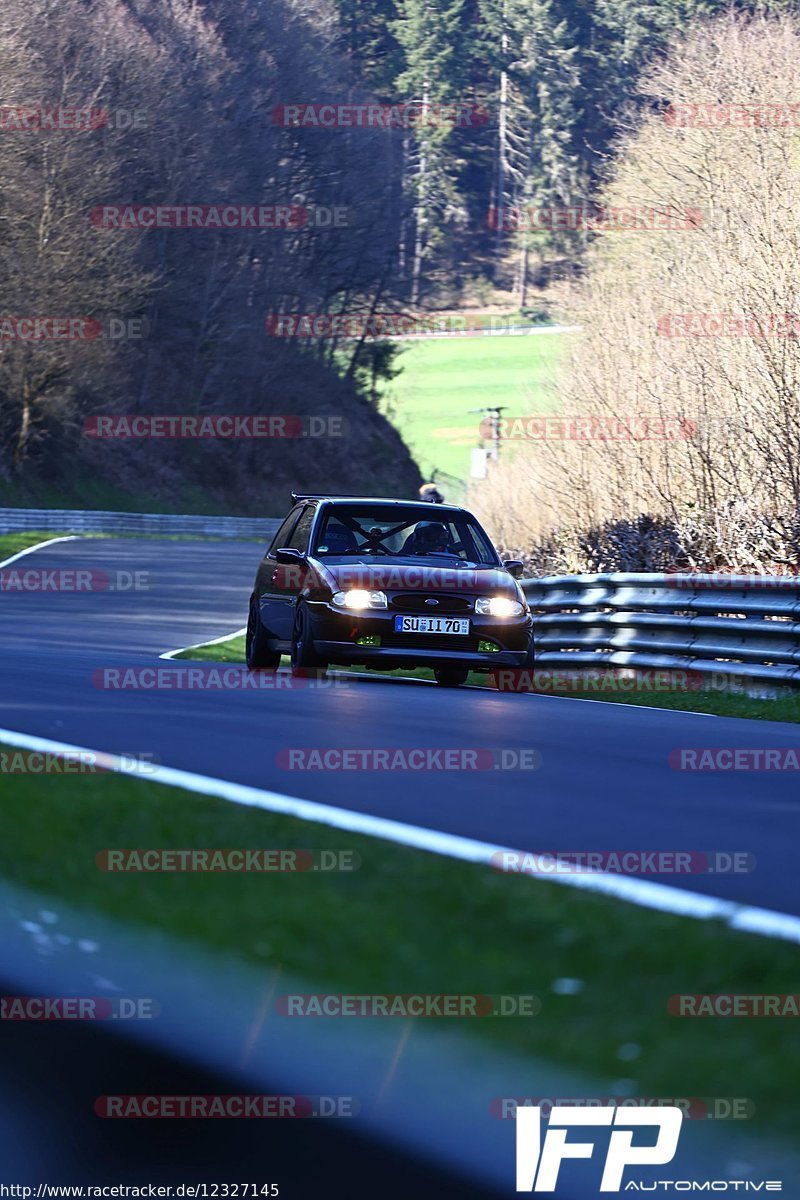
x=387, y=583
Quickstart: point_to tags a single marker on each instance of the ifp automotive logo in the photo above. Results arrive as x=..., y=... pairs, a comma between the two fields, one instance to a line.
x=538, y=1165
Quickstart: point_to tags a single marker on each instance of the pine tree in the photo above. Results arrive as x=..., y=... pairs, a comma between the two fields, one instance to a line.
x=555, y=178
x=617, y=37
x=366, y=34
x=536, y=163
x=428, y=32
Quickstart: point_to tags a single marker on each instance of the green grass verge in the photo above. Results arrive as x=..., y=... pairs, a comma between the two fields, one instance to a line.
x=12, y=543
x=441, y=380
x=408, y=922
x=232, y=651
x=720, y=704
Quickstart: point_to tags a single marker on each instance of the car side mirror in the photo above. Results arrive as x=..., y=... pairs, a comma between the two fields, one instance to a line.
x=288, y=554
x=514, y=567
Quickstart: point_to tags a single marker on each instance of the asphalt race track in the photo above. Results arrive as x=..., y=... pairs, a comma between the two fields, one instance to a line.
x=604, y=782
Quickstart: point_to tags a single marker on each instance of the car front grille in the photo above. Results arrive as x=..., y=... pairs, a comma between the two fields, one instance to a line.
x=416, y=602
x=429, y=641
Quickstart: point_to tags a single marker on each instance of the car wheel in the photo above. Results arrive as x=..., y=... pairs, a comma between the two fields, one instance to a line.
x=450, y=676
x=257, y=653
x=305, y=660
x=517, y=679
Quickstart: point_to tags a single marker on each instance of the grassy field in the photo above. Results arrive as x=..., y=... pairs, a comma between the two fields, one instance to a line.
x=428, y=402
x=406, y=922
x=442, y=379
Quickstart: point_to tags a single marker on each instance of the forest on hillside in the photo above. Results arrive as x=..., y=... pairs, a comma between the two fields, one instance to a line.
x=494, y=107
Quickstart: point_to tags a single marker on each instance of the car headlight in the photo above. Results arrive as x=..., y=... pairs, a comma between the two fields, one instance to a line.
x=359, y=598
x=498, y=606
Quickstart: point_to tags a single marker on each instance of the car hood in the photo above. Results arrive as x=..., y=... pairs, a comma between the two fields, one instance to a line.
x=392, y=576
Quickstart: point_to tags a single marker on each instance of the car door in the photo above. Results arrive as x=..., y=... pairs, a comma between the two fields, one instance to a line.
x=268, y=578
x=280, y=583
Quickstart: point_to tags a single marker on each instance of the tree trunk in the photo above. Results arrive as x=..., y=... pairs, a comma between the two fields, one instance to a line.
x=522, y=275
x=401, y=255
x=502, y=155
x=21, y=448
x=420, y=212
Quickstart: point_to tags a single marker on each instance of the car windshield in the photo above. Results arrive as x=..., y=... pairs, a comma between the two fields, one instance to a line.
x=356, y=531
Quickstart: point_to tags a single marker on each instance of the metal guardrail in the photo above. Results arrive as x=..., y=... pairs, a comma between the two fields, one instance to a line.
x=16, y=520
x=742, y=625
x=745, y=625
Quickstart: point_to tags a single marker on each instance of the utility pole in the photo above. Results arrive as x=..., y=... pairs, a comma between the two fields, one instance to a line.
x=495, y=423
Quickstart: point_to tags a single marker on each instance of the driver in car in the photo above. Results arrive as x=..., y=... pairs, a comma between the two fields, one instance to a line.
x=339, y=540
x=431, y=537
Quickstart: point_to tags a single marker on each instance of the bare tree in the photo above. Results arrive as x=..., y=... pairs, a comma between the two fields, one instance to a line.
x=677, y=320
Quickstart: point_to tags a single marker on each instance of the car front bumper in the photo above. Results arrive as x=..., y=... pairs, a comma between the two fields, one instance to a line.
x=389, y=657
x=336, y=633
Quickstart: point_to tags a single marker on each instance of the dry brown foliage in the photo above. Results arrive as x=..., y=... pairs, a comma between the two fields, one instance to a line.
x=729, y=490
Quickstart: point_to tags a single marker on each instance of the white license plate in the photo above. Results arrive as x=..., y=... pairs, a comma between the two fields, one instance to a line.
x=458, y=625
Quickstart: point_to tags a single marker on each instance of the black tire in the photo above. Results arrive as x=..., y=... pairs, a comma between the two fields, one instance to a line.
x=450, y=676
x=517, y=679
x=306, y=663
x=257, y=653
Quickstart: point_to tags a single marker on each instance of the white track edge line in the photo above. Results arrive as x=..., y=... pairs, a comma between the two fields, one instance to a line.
x=648, y=708
x=641, y=892
x=73, y=537
x=645, y=707
x=227, y=637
